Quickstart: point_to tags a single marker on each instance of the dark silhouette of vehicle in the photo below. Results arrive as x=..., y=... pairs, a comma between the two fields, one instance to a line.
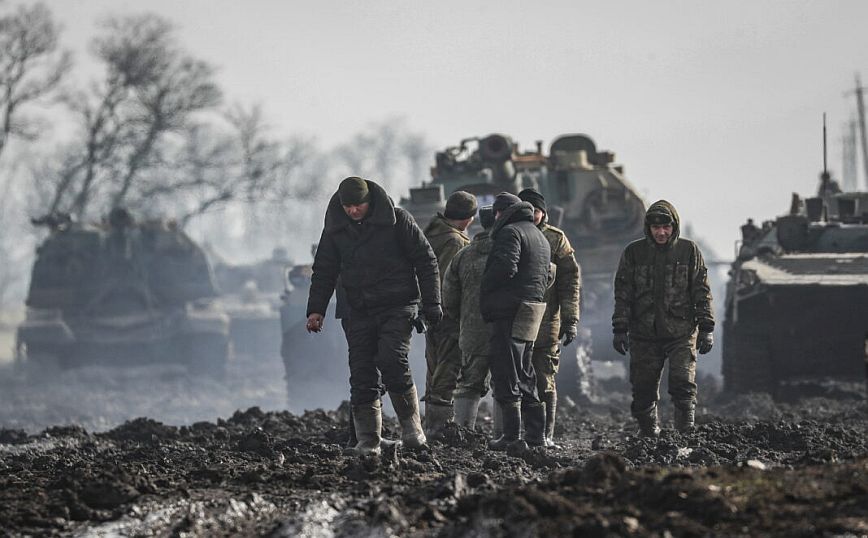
x=587, y=196
x=797, y=298
x=121, y=293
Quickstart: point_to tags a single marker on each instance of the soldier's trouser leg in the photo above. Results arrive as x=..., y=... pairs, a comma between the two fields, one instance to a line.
x=473, y=381
x=646, y=365
x=546, y=361
x=682, y=380
x=447, y=366
x=378, y=347
x=511, y=363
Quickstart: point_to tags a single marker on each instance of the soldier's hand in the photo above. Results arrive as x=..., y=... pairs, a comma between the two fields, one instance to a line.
x=314, y=323
x=432, y=314
x=621, y=343
x=704, y=342
x=568, y=333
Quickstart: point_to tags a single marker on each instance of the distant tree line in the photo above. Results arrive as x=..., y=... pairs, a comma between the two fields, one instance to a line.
x=155, y=134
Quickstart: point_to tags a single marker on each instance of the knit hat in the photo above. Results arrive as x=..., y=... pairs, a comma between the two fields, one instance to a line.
x=504, y=201
x=534, y=197
x=460, y=205
x=659, y=217
x=486, y=217
x=353, y=191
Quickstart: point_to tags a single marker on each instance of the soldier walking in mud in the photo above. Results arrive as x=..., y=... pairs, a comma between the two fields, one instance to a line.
x=561, y=320
x=383, y=261
x=661, y=298
x=446, y=234
x=514, y=283
x=461, y=288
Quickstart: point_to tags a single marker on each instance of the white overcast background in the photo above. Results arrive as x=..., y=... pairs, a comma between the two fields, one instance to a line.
x=713, y=105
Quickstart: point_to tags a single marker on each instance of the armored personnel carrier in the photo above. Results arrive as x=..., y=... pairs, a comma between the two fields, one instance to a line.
x=797, y=298
x=588, y=197
x=121, y=293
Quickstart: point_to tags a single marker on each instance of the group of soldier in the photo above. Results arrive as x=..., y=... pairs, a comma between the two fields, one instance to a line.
x=497, y=309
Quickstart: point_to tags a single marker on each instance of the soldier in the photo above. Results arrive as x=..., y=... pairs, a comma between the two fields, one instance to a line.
x=446, y=234
x=461, y=302
x=661, y=297
x=513, y=287
x=561, y=320
x=383, y=260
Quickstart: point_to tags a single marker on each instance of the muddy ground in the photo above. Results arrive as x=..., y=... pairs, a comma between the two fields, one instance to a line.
x=752, y=467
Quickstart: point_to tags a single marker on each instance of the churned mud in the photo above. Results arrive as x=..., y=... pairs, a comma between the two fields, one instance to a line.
x=753, y=466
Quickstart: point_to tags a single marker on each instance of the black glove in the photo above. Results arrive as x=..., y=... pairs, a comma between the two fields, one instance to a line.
x=704, y=342
x=568, y=333
x=621, y=343
x=432, y=315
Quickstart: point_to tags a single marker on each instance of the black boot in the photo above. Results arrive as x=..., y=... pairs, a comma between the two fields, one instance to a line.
x=685, y=411
x=534, y=417
x=511, y=412
x=351, y=431
x=551, y=402
x=647, y=420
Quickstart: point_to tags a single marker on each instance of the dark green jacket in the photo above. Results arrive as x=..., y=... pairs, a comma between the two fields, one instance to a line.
x=661, y=291
x=383, y=261
x=562, y=299
x=446, y=240
x=461, y=284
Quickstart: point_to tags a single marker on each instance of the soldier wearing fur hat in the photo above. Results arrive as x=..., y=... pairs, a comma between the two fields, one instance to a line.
x=447, y=234
x=561, y=320
x=662, y=297
x=383, y=261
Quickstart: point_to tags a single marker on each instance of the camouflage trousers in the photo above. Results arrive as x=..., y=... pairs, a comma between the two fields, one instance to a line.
x=475, y=377
x=443, y=358
x=647, y=358
x=546, y=361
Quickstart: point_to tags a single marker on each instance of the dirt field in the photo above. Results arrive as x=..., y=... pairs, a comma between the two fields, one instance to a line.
x=752, y=467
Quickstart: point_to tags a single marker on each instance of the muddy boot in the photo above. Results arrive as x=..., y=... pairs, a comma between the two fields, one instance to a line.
x=352, y=440
x=407, y=408
x=685, y=411
x=533, y=415
x=647, y=420
x=436, y=418
x=511, y=412
x=551, y=403
x=465, y=411
x=368, y=421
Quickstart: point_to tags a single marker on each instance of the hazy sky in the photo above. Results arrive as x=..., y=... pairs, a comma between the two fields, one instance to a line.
x=714, y=105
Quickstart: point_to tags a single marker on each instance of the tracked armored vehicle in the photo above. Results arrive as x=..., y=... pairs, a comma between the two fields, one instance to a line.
x=121, y=293
x=797, y=298
x=588, y=197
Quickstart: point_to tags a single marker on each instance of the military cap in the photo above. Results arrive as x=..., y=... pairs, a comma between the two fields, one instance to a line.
x=460, y=205
x=534, y=197
x=353, y=191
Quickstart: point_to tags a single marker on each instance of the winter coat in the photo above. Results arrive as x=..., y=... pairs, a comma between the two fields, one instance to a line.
x=446, y=240
x=517, y=268
x=562, y=299
x=461, y=287
x=383, y=260
x=662, y=291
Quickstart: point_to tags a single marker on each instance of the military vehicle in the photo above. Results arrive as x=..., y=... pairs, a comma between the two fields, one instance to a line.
x=588, y=197
x=797, y=298
x=121, y=293
x=250, y=294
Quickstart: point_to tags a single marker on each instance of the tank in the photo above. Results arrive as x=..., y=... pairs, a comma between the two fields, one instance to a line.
x=797, y=297
x=121, y=293
x=587, y=195
x=250, y=294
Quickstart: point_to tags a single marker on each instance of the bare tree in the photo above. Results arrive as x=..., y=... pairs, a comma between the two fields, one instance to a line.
x=31, y=67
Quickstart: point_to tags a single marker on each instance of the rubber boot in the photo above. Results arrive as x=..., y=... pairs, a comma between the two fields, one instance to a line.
x=685, y=411
x=533, y=415
x=497, y=420
x=465, y=411
x=352, y=440
x=368, y=421
x=436, y=418
x=647, y=420
x=511, y=412
x=551, y=403
x=407, y=408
